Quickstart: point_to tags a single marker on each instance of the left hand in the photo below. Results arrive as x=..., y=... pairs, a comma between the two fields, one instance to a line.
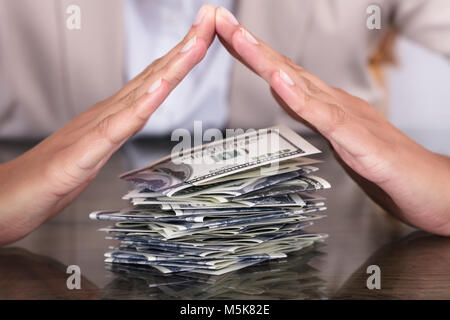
x=41, y=182
x=408, y=180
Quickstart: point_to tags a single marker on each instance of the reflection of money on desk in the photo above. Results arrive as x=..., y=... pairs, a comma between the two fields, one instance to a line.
x=203, y=211
x=288, y=278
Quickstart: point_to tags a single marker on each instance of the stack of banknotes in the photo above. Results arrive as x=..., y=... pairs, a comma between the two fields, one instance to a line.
x=221, y=206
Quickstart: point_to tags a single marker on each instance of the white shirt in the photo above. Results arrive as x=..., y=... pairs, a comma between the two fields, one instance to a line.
x=152, y=28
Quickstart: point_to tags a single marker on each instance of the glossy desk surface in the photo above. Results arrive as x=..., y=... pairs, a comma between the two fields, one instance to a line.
x=413, y=264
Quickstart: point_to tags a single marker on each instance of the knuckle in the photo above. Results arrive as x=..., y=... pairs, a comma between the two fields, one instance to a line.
x=302, y=103
x=135, y=115
x=187, y=37
x=148, y=73
x=338, y=118
x=178, y=76
x=152, y=68
x=311, y=87
x=61, y=175
x=175, y=74
x=129, y=98
x=288, y=61
x=103, y=130
x=155, y=63
x=297, y=68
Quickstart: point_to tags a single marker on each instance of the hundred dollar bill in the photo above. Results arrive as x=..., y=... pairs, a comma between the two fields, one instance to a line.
x=300, y=184
x=133, y=216
x=233, y=211
x=243, y=186
x=222, y=158
x=168, y=200
x=220, y=192
x=142, y=216
x=289, y=200
x=268, y=170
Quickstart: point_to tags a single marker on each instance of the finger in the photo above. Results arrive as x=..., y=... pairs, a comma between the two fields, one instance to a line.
x=261, y=58
x=323, y=116
x=235, y=54
x=118, y=123
x=290, y=111
x=229, y=29
x=172, y=72
x=76, y=163
x=202, y=28
x=331, y=120
x=225, y=23
x=114, y=129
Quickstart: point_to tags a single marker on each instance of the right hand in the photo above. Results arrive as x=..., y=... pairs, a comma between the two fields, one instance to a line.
x=42, y=181
x=405, y=178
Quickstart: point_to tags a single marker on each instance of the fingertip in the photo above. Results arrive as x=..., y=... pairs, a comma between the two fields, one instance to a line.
x=225, y=23
x=218, y=19
x=204, y=27
x=209, y=6
x=210, y=12
x=227, y=16
x=206, y=10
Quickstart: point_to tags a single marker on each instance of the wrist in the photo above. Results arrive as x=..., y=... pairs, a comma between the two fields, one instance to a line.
x=419, y=187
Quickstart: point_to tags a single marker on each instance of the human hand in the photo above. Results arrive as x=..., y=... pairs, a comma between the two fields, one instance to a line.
x=408, y=180
x=38, y=184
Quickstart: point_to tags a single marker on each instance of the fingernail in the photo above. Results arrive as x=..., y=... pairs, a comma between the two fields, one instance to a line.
x=228, y=16
x=249, y=36
x=286, y=78
x=155, y=85
x=189, y=44
x=200, y=14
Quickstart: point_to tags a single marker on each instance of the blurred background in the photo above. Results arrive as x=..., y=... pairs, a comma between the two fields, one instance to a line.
x=419, y=95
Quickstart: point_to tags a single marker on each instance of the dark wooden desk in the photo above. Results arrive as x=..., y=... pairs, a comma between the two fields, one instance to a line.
x=413, y=264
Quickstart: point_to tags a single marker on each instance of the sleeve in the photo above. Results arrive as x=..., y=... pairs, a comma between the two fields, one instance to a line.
x=426, y=22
